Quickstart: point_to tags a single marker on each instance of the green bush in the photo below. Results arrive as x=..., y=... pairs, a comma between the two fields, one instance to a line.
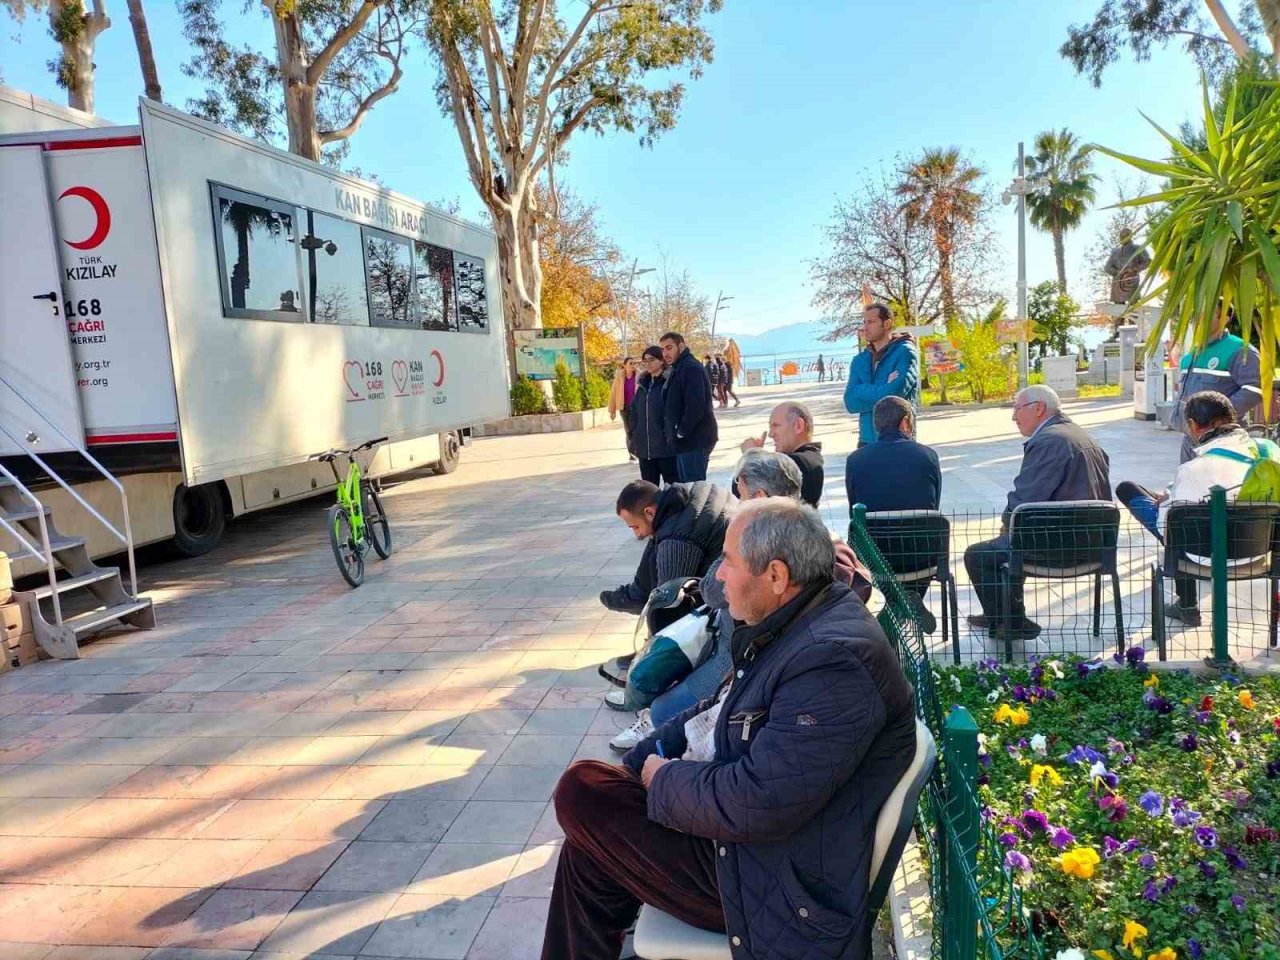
x=527, y=398
x=598, y=389
x=566, y=389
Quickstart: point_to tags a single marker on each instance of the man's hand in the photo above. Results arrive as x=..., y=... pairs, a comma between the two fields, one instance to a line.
x=1161, y=497
x=652, y=763
x=892, y=377
x=752, y=443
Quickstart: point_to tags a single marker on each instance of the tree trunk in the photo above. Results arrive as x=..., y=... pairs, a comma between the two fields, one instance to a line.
x=522, y=313
x=1269, y=10
x=947, y=284
x=76, y=31
x=299, y=95
x=1060, y=258
x=146, y=58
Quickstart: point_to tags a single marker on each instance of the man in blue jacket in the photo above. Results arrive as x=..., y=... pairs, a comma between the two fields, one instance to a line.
x=690, y=417
x=752, y=813
x=888, y=366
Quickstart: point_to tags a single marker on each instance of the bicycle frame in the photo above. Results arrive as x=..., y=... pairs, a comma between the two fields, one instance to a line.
x=349, y=497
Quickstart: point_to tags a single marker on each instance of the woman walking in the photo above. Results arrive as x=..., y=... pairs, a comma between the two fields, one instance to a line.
x=648, y=436
x=622, y=395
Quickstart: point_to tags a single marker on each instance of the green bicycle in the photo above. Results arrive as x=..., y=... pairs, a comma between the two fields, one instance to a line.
x=357, y=519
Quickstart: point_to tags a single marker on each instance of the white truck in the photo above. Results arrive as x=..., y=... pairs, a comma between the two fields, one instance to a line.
x=196, y=314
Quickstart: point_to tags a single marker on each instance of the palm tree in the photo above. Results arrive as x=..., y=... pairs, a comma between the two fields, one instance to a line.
x=1063, y=162
x=937, y=191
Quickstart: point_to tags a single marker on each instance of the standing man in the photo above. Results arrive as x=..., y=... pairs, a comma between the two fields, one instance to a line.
x=1060, y=462
x=822, y=369
x=1224, y=365
x=713, y=376
x=888, y=366
x=690, y=415
x=726, y=386
x=791, y=430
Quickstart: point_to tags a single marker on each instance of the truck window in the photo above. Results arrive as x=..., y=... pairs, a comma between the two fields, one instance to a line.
x=437, y=300
x=389, y=263
x=257, y=257
x=473, y=307
x=333, y=271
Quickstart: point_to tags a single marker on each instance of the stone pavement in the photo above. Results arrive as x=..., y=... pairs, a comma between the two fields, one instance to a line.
x=287, y=767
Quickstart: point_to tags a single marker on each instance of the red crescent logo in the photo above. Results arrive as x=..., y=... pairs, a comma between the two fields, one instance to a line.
x=100, y=210
x=439, y=363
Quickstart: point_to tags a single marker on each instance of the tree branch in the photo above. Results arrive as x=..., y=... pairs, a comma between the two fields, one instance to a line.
x=488, y=36
x=526, y=47
x=388, y=88
x=341, y=37
x=1228, y=27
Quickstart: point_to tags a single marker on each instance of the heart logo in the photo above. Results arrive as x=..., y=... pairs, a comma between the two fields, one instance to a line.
x=347, y=368
x=400, y=374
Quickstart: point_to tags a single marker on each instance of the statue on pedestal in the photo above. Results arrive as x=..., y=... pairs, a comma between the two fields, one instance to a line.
x=1125, y=266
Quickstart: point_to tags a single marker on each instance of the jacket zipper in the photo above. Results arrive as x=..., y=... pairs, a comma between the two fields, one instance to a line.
x=746, y=718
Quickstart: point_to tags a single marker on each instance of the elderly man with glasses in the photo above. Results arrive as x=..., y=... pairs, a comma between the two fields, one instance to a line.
x=1060, y=462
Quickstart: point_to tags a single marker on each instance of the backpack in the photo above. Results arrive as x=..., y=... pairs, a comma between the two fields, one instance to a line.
x=1262, y=480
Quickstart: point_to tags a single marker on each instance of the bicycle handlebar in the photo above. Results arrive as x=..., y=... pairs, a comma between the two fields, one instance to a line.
x=329, y=455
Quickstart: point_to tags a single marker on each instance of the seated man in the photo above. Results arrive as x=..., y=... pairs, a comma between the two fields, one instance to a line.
x=760, y=474
x=791, y=430
x=684, y=524
x=1223, y=454
x=753, y=813
x=1060, y=462
x=897, y=473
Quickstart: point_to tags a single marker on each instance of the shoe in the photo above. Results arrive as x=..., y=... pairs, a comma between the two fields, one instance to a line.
x=1021, y=632
x=1188, y=615
x=616, y=700
x=631, y=457
x=737, y=403
x=616, y=670
x=928, y=622
x=979, y=621
x=629, y=737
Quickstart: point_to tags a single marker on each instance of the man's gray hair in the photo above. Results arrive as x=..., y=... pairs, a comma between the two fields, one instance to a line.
x=774, y=474
x=888, y=414
x=1039, y=393
x=798, y=411
x=784, y=529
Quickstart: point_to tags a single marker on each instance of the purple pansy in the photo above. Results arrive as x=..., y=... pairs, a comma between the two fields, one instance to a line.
x=1238, y=902
x=1151, y=803
x=1207, y=837
x=1147, y=861
x=1061, y=838
x=1194, y=950
x=1084, y=754
x=1185, y=818
x=1189, y=743
x=1115, y=807
x=1151, y=892
x=1234, y=860
x=1208, y=869
x=1035, y=820
x=1009, y=839
x=1134, y=656
x=1017, y=861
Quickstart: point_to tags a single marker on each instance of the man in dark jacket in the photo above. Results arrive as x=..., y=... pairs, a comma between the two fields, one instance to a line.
x=791, y=430
x=753, y=813
x=690, y=417
x=684, y=525
x=889, y=365
x=895, y=472
x=648, y=413
x=1060, y=462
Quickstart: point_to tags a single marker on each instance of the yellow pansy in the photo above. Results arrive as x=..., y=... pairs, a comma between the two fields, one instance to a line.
x=1040, y=772
x=1151, y=681
x=1021, y=717
x=1246, y=700
x=1133, y=931
x=1103, y=954
x=1079, y=862
x=1007, y=714
x=1168, y=953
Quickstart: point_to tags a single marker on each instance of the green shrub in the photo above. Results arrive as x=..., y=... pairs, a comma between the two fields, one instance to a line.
x=566, y=389
x=598, y=389
x=527, y=398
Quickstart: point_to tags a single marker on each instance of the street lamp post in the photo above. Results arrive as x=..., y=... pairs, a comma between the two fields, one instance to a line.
x=721, y=300
x=1021, y=188
x=636, y=271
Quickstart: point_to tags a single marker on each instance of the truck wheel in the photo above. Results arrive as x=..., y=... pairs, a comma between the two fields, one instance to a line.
x=198, y=518
x=450, y=452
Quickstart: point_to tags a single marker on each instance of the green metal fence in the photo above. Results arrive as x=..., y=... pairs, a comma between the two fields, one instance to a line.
x=977, y=908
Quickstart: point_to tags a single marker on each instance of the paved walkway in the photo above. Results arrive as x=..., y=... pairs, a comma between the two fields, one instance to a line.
x=290, y=767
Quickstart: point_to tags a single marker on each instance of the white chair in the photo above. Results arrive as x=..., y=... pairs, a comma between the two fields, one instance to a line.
x=660, y=936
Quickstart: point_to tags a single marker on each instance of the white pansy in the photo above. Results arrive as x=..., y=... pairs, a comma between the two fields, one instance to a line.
x=1071, y=953
x=993, y=696
x=955, y=682
x=1054, y=667
x=1040, y=744
x=1099, y=769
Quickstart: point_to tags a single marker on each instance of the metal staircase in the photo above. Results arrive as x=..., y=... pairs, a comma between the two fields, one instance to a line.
x=80, y=597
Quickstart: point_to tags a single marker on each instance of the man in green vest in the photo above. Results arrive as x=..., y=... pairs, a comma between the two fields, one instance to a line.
x=1224, y=365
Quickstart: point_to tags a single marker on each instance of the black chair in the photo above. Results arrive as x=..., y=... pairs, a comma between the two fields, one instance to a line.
x=1252, y=554
x=1062, y=541
x=916, y=544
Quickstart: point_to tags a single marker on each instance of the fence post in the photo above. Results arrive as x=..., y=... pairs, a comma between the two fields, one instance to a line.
x=960, y=918
x=1218, y=564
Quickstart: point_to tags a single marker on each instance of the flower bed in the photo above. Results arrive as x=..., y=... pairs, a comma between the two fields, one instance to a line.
x=1139, y=811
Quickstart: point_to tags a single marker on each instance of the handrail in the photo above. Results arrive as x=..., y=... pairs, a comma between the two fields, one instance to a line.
x=47, y=556
x=127, y=537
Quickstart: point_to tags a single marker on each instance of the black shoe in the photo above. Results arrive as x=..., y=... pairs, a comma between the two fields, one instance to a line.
x=928, y=622
x=979, y=621
x=1020, y=631
x=1188, y=615
x=616, y=670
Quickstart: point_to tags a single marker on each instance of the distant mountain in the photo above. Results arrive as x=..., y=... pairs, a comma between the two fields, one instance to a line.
x=792, y=339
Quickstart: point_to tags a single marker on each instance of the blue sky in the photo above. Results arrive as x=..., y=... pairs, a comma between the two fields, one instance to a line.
x=802, y=100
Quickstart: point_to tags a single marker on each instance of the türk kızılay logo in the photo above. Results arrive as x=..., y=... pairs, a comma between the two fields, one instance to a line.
x=101, y=215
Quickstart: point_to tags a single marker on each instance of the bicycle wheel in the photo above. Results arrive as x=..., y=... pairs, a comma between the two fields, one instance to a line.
x=348, y=554
x=376, y=526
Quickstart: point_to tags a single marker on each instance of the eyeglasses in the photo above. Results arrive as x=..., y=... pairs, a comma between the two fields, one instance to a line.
x=1023, y=406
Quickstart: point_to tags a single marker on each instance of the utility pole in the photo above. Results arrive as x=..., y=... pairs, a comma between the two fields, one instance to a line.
x=622, y=320
x=1019, y=189
x=721, y=300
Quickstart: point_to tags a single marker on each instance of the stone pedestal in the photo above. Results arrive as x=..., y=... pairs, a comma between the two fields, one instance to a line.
x=1060, y=374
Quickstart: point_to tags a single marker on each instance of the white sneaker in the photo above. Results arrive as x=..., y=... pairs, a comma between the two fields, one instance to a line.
x=616, y=699
x=629, y=737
